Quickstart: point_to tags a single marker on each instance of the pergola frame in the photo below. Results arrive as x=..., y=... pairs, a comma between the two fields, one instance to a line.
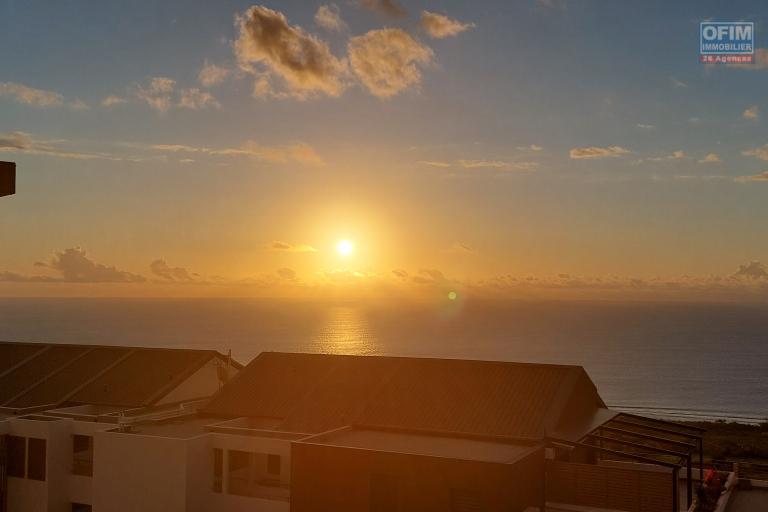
x=657, y=431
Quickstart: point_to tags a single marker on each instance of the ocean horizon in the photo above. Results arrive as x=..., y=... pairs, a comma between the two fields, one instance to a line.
x=685, y=361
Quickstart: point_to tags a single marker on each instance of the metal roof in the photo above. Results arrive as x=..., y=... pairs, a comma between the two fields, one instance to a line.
x=317, y=392
x=40, y=374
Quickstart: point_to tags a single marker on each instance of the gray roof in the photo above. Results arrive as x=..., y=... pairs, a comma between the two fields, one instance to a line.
x=40, y=374
x=314, y=393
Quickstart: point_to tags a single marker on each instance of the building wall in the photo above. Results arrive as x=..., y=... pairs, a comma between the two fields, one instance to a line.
x=638, y=489
x=139, y=473
x=339, y=479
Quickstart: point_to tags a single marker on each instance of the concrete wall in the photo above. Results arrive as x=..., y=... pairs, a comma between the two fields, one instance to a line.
x=339, y=479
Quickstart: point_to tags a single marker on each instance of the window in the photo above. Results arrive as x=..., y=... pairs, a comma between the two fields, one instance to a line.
x=218, y=469
x=384, y=493
x=17, y=455
x=36, y=459
x=463, y=500
x=273, y=464
x=239, y=472
x=81, y=507
x=82, y=455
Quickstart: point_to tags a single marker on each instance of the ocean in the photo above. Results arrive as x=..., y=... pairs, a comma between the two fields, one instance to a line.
x=682, y=361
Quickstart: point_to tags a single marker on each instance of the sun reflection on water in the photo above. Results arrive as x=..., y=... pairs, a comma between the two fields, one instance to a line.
x=345, y=331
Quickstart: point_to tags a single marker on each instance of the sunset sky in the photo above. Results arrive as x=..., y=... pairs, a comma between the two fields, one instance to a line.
x=507, y=148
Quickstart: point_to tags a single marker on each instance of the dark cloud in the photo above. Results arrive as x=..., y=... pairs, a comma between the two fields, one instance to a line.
x=162, y=270
x=304, y=62
x=752, y=270
x=74, y=266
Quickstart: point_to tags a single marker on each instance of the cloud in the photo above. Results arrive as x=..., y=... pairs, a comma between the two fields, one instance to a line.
x=711, y=158
x=111, y=101
x=761, y=61
x=74, y=266
x=400, y=273
x=597, y=152
x=675, y=155
x=388, y=7
x=439, y=26
x=211, y=75
x=762, y=177
x=645, y=126
x=78, y=105
x=328, y=17
x=162, y=270
x=286, y=274
x=428, y=276
x=677, y=83
x=531, y=147
x=752, y=270
x=298, y=152
x=157, y=94
x=195, y=99
x=459, y=248
x=761, y=152
x=30, y=96
x=21, y=142
x=751, y=113
x=303, y=62
x=387, y=60
x=286, y=247
x=482, y=164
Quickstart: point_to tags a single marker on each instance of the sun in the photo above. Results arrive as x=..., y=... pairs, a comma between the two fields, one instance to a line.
x=345, y=247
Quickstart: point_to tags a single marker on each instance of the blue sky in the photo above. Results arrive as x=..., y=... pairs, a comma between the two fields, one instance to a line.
x=547, y=138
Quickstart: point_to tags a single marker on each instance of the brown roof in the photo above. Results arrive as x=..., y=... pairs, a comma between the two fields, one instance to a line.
x=314, y=393
x=52, y=374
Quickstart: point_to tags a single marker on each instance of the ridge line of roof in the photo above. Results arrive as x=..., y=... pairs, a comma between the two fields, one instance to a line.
x=424, y=358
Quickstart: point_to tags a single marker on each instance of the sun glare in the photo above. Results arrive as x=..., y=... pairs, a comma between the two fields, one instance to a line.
x=345, y=247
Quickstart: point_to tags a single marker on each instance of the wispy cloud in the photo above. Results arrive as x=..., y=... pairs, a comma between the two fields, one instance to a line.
x=112, y=100
x=195, y=99
x=160, y=269
x=761, y=152
x=31, y=96
x=645, y=126
x=751, y=113
x=439, y=26
x=158, y=93
x=597, y=152
x=677, y=83
x=675, y=155
x=211, y=75
x=762, y=178
x=389, y=7
x=286, y=247
x=298, y=152
x=329, y=17
x=21, y=142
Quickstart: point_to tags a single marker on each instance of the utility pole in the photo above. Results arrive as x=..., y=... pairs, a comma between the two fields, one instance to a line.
x=7, y=178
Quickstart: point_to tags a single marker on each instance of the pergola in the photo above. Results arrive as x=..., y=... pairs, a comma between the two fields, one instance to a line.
x=648, y=440
x=7, y=178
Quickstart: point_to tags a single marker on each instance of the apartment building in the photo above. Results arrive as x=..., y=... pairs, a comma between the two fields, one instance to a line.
x=312, y=432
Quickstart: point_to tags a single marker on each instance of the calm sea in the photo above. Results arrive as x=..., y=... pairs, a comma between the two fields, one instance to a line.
x=676, y=360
